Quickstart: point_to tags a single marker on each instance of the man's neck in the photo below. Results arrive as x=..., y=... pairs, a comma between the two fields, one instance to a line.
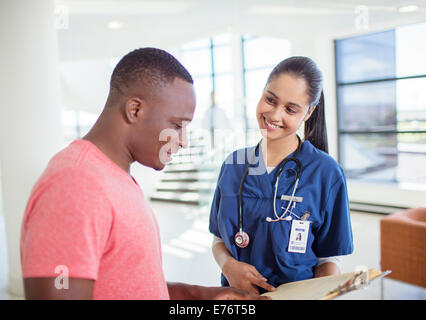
x=107, y=138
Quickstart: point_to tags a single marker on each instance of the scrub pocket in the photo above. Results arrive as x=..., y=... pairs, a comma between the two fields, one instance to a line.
x=280, y=236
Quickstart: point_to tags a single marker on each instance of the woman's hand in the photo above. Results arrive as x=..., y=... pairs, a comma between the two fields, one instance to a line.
x=244, y=276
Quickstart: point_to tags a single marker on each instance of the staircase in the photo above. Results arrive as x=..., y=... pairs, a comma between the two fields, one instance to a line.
x=190, y=178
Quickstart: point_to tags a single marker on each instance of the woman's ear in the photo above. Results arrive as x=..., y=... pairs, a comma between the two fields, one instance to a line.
x=133, y=109
x=308, y=115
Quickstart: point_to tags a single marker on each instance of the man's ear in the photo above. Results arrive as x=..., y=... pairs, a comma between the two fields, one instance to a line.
x=308, y=115
x=133, y=109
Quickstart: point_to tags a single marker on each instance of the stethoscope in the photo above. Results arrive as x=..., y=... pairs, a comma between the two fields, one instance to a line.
x=241, y=238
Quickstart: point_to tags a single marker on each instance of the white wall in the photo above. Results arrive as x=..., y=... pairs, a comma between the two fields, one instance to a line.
x=30, y=114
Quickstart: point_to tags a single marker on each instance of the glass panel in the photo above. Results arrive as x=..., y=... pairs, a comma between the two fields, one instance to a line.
x=69, y=118
x=224, y=91
x=248, y=36
x=368, y=107
x=198, y=62
x=222, y=39
x=411, y=157
x=86, y=121
x=411, y=104
x=253, y=137
x=255, y=83
x=366, y=57
x=411, y=49
x=385, y=157
x=389, y=105
x=369, y=156
x=261, y=52
x=69, y=134
x=1, y=209
x=197, y=44
x=251, y=106
x=69, y=125
x=203, y=89
x=222, y=59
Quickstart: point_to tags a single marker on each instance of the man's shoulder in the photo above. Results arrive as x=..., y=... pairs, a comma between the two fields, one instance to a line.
x=71, y=165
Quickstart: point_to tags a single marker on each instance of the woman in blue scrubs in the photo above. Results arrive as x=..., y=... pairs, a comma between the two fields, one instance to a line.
x=259, y=247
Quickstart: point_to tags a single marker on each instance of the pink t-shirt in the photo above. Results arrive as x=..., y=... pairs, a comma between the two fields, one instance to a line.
x=89, y=215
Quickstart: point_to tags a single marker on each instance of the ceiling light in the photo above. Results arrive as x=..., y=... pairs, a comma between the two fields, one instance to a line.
x=266, y=9
x=409, y=8
x=114, y=25
x=131, y=7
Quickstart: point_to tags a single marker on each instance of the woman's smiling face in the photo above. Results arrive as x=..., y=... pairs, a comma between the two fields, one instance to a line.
x=283, y=107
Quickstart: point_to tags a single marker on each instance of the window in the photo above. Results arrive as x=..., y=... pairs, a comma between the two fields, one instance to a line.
x=76, y=124
x=210, y=63
x=381, y=105
x=260, y=55
x=214, y=66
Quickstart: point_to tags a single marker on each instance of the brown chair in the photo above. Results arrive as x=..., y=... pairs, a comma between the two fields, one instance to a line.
x=403, y=246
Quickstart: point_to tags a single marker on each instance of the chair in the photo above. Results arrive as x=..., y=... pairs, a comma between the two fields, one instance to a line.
x=403, y=246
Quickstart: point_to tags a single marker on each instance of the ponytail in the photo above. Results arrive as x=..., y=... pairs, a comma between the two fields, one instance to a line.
x=315, y=127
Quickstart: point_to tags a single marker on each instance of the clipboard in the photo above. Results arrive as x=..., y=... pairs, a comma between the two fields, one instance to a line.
x=325, y=288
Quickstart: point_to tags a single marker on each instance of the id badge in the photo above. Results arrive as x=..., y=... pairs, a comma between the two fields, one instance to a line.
x=298, y=236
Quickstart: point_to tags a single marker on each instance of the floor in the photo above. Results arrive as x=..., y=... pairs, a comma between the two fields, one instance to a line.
x=187, y=255
x=186, y=244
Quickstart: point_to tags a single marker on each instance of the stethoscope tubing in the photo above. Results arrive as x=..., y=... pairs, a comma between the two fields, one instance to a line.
x=277, y=178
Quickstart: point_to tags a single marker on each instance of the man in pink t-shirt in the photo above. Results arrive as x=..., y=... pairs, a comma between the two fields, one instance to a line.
x=87, y=216
x=88, y=232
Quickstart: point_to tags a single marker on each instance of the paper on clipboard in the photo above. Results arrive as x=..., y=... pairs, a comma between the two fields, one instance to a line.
x=323, y=288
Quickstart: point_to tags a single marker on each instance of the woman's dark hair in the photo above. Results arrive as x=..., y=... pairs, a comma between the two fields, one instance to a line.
x=305, y=68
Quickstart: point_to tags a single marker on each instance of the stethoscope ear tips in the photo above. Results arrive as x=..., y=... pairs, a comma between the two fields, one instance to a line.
x=269, y=219
x=288, y=218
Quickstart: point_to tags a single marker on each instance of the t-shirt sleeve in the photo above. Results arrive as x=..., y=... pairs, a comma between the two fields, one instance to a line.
x=67, y=224
x=213, y=225
x=334, y=237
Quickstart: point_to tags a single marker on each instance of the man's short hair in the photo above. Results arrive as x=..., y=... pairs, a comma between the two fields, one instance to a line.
x=148, y=67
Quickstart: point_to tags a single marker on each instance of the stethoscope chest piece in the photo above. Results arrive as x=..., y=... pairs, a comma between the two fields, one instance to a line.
x=242, y=239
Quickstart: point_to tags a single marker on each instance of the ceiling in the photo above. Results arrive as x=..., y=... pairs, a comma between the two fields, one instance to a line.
x=89, y=49
x=84, y=32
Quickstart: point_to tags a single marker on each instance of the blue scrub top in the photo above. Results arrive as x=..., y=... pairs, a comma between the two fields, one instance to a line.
x=323, y=188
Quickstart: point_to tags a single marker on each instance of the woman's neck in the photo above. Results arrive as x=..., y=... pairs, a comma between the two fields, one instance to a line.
x=274, y=151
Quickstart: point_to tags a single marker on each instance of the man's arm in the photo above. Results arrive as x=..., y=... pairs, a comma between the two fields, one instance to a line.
x=45, y=289
x=183, y=291
x=326, y=269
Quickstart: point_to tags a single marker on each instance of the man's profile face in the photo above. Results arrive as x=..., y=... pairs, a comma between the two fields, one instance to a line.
x=161, y=129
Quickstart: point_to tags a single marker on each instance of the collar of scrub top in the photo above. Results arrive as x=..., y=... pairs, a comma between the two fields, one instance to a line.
x=277, y=177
